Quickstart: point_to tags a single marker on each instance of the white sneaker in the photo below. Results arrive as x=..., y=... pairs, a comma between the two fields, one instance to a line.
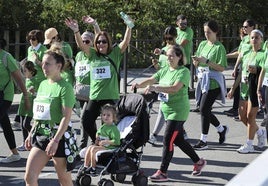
x=21, y=148
x=152, y=139
x=244, y=149
x=15, y=125
x=185, y=136
x=262, y=139
x=11, y=158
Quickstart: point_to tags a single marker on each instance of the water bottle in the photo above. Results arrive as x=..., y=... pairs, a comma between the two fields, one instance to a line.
x=127, y=20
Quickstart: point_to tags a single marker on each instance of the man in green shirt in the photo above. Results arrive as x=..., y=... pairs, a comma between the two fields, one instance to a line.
x=185, y=37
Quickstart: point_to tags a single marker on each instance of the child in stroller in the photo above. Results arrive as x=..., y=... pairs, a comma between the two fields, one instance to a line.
x=134, y=131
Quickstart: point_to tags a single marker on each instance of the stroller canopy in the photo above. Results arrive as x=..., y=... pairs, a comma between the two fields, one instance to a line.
x=135, y=105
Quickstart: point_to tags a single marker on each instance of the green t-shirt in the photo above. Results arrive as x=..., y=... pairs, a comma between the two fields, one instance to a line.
x=103, y=77
x=254, y=59
x=30, y=57
x=109, y=132
x=186, y=34
x=50, y=99
x=216, y=53
x=163, y=58
x=67, y=50
x=5, y=74
x=68, y=76
x=265, y=46
x=244, y=45
x=29, y=82
x=82, y=68
x=174, y=106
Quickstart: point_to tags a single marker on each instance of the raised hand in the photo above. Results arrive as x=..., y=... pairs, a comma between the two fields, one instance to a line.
x=89, y=20
x=72, y=24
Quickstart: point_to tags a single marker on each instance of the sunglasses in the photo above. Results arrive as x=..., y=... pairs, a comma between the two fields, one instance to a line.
x=101, y=41
x=169, y=38
x=183, y=24
x=33, y=38
x=86, y=42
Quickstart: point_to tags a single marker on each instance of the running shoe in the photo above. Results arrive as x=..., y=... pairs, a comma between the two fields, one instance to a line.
x=159, y=176
x=200, y=145
x=198, y=167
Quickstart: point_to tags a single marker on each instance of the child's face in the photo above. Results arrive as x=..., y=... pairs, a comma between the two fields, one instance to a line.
x=107, y=117
x=27, y=73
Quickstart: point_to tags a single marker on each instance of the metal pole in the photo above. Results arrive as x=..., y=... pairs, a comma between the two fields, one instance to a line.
x=125, y=73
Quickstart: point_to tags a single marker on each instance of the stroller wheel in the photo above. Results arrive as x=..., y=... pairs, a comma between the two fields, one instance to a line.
x=85, y=180
x=140, y=180
x=105, y=182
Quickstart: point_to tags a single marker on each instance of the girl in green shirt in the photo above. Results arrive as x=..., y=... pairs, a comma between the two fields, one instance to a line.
x=52, y=136
x=210, y=60
x=251, y=63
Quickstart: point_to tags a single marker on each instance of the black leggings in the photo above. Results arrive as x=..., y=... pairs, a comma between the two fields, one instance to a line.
x=174, y=135
x=5, y=123
x=90, y=115
x=206, y=102
x=26, y=126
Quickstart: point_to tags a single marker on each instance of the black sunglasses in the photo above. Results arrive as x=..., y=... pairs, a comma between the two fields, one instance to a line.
x=101, y=41
x=86, y=42
x=33, y=38
x=169, y=38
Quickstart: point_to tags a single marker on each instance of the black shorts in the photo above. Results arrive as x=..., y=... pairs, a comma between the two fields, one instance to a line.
x=41, y=142
x=254, y=100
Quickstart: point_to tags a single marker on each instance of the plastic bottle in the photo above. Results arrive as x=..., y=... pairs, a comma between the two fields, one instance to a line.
x=127, y=20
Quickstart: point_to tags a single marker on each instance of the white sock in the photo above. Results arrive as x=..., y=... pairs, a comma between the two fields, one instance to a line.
x=250, y=142
x=220, y=128
x=259, y=132
x=204, y=137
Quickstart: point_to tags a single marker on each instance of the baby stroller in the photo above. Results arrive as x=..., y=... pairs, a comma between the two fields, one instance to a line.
x=125, y=160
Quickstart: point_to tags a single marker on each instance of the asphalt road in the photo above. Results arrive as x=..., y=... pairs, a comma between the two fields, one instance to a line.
x=223, y=160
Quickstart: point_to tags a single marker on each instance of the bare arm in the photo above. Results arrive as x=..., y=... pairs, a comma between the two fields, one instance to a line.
x=124, y=44
x=212, y=65
x=260, y=81
x=167, y=89
x=53, y=144
x=73, y=24
x=144, y=83
x=232, y=55
x=89, y=20
x=20, y=82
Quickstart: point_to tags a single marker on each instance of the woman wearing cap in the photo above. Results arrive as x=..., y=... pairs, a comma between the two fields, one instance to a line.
x=104, y=85
x=52, y=36
x=251, y=65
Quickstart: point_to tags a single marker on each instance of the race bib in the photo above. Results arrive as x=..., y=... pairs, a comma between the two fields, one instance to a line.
x=81, y=69
x=201, y=71
x=41, y=110
x=103, y=72
x=244, y=77
x=163, y=96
